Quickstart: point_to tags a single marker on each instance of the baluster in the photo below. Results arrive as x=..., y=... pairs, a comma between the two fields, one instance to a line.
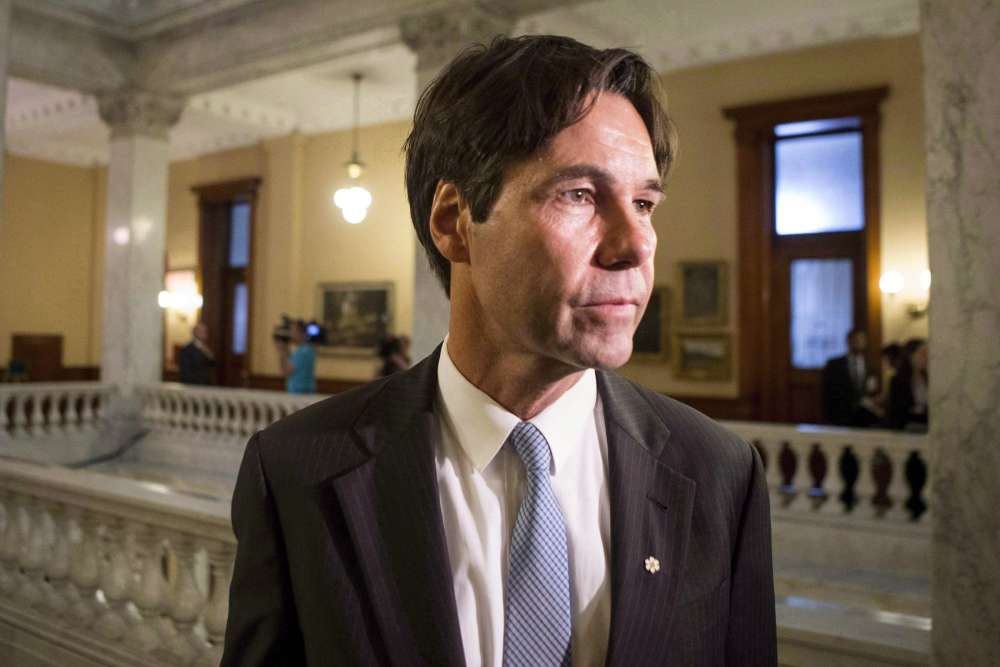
x=85, y=570
x=21, y=415
x=116, y=574
x=38, y=414
x=220, y=562
x=87, y=411
x=865, y=488
x=147, y=589
x=55, y=415
x=818, y=466
x=916, y=479
x=231, y=416
x=772, y=471
x=898, y=488
x=58, y=566
x=10, y=545
x=881, y=474
x=833, y=483
x=32, y=554
x=186, y=604
x=71, y=417
x=802, y=479
x=5, y=425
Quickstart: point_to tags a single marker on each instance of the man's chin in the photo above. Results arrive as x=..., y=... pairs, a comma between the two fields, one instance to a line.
x=606, y=357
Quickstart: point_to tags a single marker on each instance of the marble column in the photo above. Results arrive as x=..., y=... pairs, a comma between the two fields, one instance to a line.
x=135, y=233
x=437, y=37
x=4, y=53
x=962, y=96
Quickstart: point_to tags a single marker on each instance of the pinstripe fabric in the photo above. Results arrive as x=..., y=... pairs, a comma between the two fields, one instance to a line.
x=538, y=621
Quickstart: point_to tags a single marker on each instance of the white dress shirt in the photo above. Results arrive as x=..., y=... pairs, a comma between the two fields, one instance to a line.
x=481, y=486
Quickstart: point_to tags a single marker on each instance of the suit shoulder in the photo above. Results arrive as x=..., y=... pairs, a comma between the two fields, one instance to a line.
x=697, y=434
x=319, y=435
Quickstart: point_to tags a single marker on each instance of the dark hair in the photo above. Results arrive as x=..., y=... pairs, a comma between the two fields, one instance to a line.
x=499, y=104
x=892, y=352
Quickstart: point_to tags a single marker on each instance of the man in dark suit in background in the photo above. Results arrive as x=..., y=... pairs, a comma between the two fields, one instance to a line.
x=509, y=500
x=848, y=386
x=196, y=361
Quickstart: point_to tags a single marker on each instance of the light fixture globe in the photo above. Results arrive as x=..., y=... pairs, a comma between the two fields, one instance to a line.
x=354, y=200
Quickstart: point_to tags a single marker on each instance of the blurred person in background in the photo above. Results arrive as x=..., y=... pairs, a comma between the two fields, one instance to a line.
x=196, y=360
x=907, y=407
x=298, y=365
x=395, y=354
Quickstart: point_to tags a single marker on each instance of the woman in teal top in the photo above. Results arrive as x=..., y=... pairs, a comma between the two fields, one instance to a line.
x=299, y=366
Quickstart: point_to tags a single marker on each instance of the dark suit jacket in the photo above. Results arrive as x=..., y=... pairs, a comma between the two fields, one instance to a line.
x=342, y=557
x=841, y=398
x=196, y=367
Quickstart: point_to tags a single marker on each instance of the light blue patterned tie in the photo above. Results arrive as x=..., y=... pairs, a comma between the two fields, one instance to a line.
x=537, y=622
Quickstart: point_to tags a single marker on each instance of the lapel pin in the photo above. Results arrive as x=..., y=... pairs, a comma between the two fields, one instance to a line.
x=652, y=565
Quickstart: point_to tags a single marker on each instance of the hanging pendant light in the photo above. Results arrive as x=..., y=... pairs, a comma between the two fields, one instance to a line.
x=354, y=200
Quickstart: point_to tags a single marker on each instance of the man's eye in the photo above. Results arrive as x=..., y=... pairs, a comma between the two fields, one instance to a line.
x=577, y=196
x=644, y=205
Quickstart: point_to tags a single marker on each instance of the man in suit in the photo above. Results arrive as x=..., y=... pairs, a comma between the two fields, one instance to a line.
x=510, y=500
x=196, y=361
x=847, y=385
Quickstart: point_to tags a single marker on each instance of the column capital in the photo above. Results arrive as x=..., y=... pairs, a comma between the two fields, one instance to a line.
x=438, y=35
x=131, y=112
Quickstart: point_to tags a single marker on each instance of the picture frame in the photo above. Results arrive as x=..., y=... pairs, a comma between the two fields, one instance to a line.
x=702, y=356
x=357, y=316
x=702, y=290
x=651, y=340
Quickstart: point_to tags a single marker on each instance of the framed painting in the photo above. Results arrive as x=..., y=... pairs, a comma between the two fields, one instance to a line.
x=651, y=341
x=702, y=288
x=702, y=356
x=355, y=315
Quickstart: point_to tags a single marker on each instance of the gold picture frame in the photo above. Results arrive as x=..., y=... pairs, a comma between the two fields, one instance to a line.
x=702, y=293
x=651, y=340
x=702, y=356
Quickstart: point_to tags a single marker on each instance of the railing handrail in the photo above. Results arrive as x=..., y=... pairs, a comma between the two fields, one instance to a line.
x=231, y=392
x=36, y=387
x=822, y=432
x=119, y=496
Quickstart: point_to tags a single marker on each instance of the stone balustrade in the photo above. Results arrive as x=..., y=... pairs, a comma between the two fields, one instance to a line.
x=35, y=410
x=207, y=413
x=114, y=568
x=838, y=472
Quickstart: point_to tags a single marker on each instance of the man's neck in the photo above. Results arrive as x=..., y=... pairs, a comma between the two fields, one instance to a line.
x=521, y=383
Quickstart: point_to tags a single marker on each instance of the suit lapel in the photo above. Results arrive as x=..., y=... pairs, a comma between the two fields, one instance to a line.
x=651, y=508
x=391, y=509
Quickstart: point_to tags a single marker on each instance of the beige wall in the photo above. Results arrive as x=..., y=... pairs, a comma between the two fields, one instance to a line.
x=300, y=240
x=50, y=256
x=698, y=218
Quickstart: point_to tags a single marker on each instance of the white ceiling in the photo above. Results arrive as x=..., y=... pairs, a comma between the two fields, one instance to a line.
x=63, y=126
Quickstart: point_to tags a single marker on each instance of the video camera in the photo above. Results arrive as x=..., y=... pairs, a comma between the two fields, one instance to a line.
x=282, y=332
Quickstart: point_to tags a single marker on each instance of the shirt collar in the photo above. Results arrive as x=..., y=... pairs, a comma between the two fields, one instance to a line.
x=481, y=425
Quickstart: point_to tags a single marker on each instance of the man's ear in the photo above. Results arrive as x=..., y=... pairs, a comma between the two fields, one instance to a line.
x=449, y=223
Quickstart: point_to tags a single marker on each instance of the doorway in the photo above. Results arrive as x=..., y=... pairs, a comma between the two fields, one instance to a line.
x=225, y=251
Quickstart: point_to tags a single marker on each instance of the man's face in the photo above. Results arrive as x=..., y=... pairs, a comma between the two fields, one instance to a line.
x=858, y=343
x=563, y=267
x=201, y=332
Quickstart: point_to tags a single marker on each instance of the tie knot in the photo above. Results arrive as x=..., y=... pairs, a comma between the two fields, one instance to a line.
x=531, y=447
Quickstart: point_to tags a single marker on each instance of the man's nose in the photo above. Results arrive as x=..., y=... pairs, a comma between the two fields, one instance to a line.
x=628, y=240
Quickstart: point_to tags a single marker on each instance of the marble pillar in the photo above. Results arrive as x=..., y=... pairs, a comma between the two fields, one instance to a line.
x=135, y=234
x=4, y=53
x=436, y=38
x=961, y=51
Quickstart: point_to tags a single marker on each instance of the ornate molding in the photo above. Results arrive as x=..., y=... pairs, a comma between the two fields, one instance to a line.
x=134, y=112
x=438, y=35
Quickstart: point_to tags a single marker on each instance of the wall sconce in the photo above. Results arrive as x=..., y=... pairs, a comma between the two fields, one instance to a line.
x=893, y=282
x=181, y=293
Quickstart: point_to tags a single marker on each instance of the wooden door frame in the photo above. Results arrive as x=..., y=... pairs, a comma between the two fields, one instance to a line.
x=216, y=194
x=754, y=135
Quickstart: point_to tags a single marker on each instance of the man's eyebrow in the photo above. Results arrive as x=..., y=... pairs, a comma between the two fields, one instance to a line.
x=594, y=173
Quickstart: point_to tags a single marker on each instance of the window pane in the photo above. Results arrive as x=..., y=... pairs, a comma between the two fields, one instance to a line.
x=814, y=126
x=822, y=310
x=239, y=235
x=818, y=184
x=240, y=319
